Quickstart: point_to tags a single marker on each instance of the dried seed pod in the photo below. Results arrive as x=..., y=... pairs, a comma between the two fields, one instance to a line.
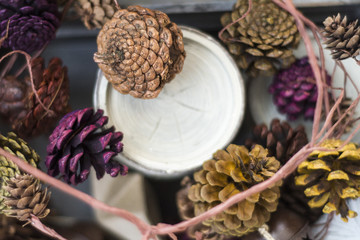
x=139, y=50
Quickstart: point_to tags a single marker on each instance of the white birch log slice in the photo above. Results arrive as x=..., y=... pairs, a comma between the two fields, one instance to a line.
x=197, y=113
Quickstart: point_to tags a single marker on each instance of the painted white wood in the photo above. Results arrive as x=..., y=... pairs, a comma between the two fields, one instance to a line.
x=197, y=113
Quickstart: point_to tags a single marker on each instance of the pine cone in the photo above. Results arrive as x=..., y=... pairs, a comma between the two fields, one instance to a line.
x=32, y=24
x=52, y=87
x=25, y=198
x=139, y=50
x=343, y=38
x=95, y=13
x=8, y=169
x=295, y=91
x=13, y=95
x=79, y=142
x=280, y=139
x=344, y=105
x=261, y=42
x=11, y=229
x=230, y=172
x=331, y=177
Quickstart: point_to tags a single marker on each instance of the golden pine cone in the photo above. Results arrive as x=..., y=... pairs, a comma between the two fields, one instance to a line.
x=139, y=50
x=332, y=177
x=343, y=38
x=261, y=41
x=95, y=13
x=231, y=172
x=25, y=197
x=18, y=147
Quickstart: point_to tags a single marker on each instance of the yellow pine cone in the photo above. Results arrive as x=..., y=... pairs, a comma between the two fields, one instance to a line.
x=231, y=172
x=332, y=177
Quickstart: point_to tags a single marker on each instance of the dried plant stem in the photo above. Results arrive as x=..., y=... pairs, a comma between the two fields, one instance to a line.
x=36, y=223
x=264, y=231
x=142, y=226
x=8, y=65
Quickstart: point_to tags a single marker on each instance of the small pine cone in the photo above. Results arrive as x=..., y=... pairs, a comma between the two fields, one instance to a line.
x=25, y=198
x=344, y=105
x=280, y=139
x=18, y=147
x=95, y=13
x=12, y=229
x=139, y=50
x=342, y=38
x=52, y=87
x=79, y=142
x=331, y=177
x=294, y=90
x=28, y=25
x=231, y=172
x=13, y=95
x=262, y=41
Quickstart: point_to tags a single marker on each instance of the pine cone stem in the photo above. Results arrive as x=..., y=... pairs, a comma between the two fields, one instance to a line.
x=264, y=231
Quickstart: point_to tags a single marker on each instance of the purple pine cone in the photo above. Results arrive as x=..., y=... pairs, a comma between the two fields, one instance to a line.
x=294, y=90
x=32, y=23
x=79, y=142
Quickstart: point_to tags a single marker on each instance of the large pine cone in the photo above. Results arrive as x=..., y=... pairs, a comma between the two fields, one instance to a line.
x=343, y=38
x=25, y=197
x=95, y=13
x=261, y=41
x=230, y=172
x=13, y=96
x=52, y=87
x=139, y=50
x=32, y=23
x=18, y=147
x=294, y=90
x=79, y=142
x=332, y=177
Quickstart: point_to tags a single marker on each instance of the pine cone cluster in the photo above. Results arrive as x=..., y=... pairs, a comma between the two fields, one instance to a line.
x=294, y=90
x=332, y=177
x=283, y=142
x=18, y=147
x=95, y=13
x=28, y=25
x=262, y=41
x=25, y=197
x=343, y=37
x=230, y=172
x=139, y=50
x=79, y=142
x=20, y=106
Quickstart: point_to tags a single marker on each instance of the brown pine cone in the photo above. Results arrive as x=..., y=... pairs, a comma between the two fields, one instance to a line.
x=95, y=13
x=25, y=198
x=231, y=172
x=343, y=38
x=139, y=50
x=52, y=87
x=13, y=95
x=261, y=42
